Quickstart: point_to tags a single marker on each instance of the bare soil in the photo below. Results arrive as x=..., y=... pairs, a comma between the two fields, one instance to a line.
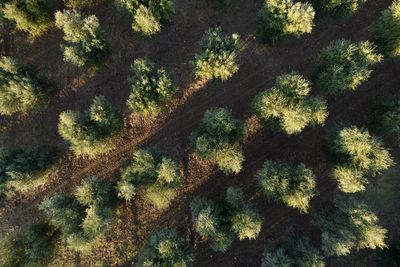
x=173, y=49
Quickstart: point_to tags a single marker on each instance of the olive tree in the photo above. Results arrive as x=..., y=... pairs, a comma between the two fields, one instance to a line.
x=343, y=66
x=82, y=218
x=166, y=248
x=292, y=253
x=386, y=31
x=356, y=154
x=338, y=8
x=283, y=19
x=147, y=17
x=93, y=133
x=384, y=118
x=218, y=138
x=349, y=225
x=226, y=219
x=158, y=174
x=217, y=58
x=293, y=185
x=150, y=88
x=87, y=46
x=20, y=88
x=287, y=106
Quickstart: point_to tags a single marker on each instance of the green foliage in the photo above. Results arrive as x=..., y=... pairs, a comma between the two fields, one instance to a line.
x=20, y=88
x=386, y=31
x=338, y=8
x=81, y=3
x=83, y=218
x=22, y=170
x=217, y=58
x=385, y=118
x=348, y=225
x=224, y=220
x=342, y=66
x=283, y=19
x=147, y=16
x=288, y=107
x=292, y=253
x=29, y=15
x=151, y=88
x=159, y=175
x=35, y=246
x=166, y=248
x=87, y=45
x=356, y=154
x=218, y=138
x=293, y=185
x=93, y=133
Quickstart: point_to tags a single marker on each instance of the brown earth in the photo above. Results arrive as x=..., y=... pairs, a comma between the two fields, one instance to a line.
x=173, y=49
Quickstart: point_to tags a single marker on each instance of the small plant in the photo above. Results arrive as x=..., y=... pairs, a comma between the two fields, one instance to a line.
x=293, y=185
x=218, y=138
x=217, y=58
x=343, y=66
x=288, y=107
x=35, y=246
x=151, y=88
x=87, y=45
x=356, y=154
x=349, y=225
x=158, y=174
x=222, y=4
x=292, y=253
x=283, y=19
x=22, y=170
x=384, y=118
x=93, y=133
x=20, y=89
x=81, y=3
x=147, y=16
x=166, y=248
x=224, y=220
x=386, y=31
x=338, y=8
x=32, y=16
x=83, y=218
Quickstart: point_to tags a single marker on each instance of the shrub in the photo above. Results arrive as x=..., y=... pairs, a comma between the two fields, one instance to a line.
x=22, y=170
x=288, y=107
x=151, y=88
x=386, y=31
x=147, y=16
x=35, y=246
x=385, y=118
x=342, y=66
x=158, y=174
x=218, y=138
x=166, y=248
x=29, y=15
x=224, y=220
x=93, y=133
x=348, y=225
x=87, y=45
x=217, y=58
x=356, y=154
x=20, y=88
x=83, y=218
x=293, y=185
x=338, y=8
x=81, y=3
x=283, y=19
x=292, y=253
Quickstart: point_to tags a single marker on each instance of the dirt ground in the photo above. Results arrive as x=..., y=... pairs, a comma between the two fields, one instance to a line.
x=173, y=49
